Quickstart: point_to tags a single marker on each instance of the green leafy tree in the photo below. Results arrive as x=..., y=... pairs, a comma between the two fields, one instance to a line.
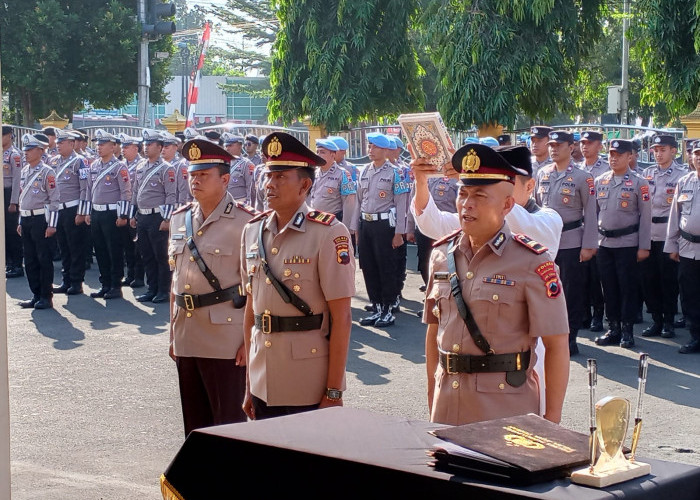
x=498, y=58
x=60, y=54
x=341, y=61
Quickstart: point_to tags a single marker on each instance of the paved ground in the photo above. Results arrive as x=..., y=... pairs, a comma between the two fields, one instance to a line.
x=95, y=411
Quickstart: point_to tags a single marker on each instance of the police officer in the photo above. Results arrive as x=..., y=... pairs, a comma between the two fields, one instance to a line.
x=171, y=144
x=71, y=232
x=52, y=149
x=241, y=182
x=504, y=140
x=340, y=156
x=624, y=225
x=213, y=136
x=257, y=192
x=154, y=194
x=300, y=276
x=539, y=136
x=571, y=192
x=206, y=316
x=251, y=149
x=683, y=246
x=333, y=190
x=107, y=201
x=480, y=366
x=11, y=175
x=382, y=197
x=38, y=210
x=130, y=147
x=659, y=271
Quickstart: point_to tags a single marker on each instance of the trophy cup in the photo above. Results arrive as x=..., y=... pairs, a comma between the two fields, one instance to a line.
x=609, y=419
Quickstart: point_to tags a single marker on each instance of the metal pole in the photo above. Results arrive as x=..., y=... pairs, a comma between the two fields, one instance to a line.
x=143, y=69
x=5, y=489
x=624, y=111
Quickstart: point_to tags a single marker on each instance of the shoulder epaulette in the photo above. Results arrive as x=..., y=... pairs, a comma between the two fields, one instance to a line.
x=246, y=208
x=183, y=208
x=531, y=244
x=320, y=217
x=260, y=216
x=447, y=238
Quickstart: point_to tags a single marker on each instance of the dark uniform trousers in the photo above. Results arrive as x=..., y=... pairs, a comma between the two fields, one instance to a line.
x=132, y=256
x=424, y=247
x=263, y=411
x=378, y=261
x=573, y=281
x=401, y=255
x=108, y=240
x=689, y=281
x=153, y=247
x=594, y=297
x=205, y=388
x=660, y=282
x=38, y=260
x=618, y=273
x=13, y=242
x=71, y=242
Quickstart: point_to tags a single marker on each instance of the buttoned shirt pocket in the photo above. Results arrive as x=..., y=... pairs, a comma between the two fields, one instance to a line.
x=444, y=309
x=497, y=299
x=217, y=257
x=223, y=314
x=626, y=201
x=296, y=276
x=602, y=197
x=176, y=248
x=309, y=346
x=567, y=196
x=496, y=382
x=543, y=192
x=686, y=201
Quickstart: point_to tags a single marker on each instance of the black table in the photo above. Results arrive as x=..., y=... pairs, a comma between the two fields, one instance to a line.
x=351, y=453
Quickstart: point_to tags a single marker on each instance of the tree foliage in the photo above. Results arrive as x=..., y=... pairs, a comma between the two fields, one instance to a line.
x=60, y=54
x=496, y=58
x=339, y=61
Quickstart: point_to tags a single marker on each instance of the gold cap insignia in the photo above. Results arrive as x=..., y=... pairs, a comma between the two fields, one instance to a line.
x=471, y=162
x=274, y=148
x=195, y=153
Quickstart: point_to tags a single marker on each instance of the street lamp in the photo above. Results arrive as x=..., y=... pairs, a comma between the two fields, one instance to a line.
x=184, y=57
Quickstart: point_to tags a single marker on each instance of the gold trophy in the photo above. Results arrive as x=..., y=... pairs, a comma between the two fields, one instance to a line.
x=609, y=420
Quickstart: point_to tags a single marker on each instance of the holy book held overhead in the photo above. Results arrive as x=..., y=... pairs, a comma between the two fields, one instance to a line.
x=523, y=449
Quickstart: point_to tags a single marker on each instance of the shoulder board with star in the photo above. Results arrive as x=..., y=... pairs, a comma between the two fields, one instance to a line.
x=321, y=217
x=529, y=243
x=260, y=216
x=246, y=208
x=183, y=208
x=447, y=238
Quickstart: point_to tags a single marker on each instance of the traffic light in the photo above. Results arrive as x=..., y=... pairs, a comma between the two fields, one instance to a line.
x=157, y=14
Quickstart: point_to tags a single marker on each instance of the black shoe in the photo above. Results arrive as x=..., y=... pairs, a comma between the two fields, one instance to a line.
x=386, y=318
x=75, y=290
x=612, y=336
x=372, y=318
x=692, y=346
x=127, y=281
x=371, y=308
x=680, y=322
x=27, y=304
x=596, y=325
x=161, y=297
x=61, y=289
x=113, y=293
x=43, y=304
x=422, y=288
x=653, y=331
x=146, y=297
x=627, y=340
x=16, y=272
x=668, y=332
x=100, y=294
x=396, y=305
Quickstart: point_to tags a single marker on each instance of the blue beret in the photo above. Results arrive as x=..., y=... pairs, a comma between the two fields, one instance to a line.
x=397, y=141
x=327, y=144
x=380, y=140
x=471, y=140
x=340, y=142
x=489, y=141
x=577, y=136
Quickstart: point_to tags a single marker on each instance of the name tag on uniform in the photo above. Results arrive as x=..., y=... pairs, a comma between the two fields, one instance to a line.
x=178, y=236
x=441, y=276
x=251, y=255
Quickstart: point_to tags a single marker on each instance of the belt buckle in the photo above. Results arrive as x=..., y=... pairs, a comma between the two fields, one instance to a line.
x=266, y=322
x=450, y=370
x=189, y=302
x=367, y=217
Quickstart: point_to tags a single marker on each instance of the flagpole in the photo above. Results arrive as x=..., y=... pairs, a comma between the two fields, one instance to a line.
x=193, y=93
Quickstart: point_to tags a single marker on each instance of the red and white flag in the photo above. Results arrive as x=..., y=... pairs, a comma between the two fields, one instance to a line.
x=195, y=76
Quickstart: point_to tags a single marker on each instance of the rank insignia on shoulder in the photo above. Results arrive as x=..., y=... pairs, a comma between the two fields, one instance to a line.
x=528, y=242
x=246, y=208
x=228, y=208
x=447, y=238
x=260, y=216
x=321, y=217
x=499, y=240
x=183, y=208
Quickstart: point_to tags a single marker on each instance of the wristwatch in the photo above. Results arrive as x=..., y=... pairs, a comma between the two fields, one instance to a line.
x=334, y=394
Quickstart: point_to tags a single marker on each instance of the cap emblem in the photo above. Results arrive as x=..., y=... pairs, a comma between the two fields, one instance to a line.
x=586, y=134
x=658, y=139
x=555, y=136
x=274, y=148
x=195, y=153
x=534, y=130
x=616, y=144
x=471, y=162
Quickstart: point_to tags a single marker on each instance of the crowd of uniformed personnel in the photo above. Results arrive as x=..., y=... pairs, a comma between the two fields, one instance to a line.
x=117, y=202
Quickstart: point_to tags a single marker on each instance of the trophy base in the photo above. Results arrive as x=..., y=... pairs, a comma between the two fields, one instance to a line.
x=631, y=471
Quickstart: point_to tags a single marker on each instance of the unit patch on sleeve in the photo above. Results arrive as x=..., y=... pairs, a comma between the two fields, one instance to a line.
x=548, y=272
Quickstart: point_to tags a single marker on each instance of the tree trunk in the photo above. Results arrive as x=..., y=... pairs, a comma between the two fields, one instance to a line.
x=27, y=113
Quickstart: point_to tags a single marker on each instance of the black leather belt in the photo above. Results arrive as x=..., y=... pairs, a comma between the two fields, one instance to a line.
x=690, y=237
x=192, y=302
x=466, y=363
x=568, y=226
x=659, y=220
x=616, y=233
x=269, y=324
